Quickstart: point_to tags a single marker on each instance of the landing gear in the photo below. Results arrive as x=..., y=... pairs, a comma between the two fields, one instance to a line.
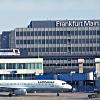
x=10, y=95
x=57, y=94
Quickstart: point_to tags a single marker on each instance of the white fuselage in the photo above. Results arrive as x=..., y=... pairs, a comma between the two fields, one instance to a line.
x=35, y=85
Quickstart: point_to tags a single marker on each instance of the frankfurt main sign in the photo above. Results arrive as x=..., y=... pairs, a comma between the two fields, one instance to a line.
x=77, y=23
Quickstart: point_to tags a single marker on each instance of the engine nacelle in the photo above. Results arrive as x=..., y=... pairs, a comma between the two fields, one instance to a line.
x=20, y=92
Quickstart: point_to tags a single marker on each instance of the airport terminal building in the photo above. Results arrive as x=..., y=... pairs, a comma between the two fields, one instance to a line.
x=59, y=42
x=20, y=68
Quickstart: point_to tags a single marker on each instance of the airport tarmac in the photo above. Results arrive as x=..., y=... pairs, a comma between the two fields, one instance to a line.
x=47, y=96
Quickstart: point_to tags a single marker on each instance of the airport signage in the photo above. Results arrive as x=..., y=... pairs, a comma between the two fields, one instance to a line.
x=77, y=23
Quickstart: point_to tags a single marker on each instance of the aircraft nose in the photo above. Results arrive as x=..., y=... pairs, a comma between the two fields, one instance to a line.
x=69, y=87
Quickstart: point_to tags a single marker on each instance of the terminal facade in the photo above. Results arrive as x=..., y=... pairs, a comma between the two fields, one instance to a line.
x=59, y=42
x=20, y=68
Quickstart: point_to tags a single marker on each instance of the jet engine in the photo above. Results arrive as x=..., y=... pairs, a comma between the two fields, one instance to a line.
x=20, y=92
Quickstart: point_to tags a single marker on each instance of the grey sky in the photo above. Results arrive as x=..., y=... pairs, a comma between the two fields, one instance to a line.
x=18, y=13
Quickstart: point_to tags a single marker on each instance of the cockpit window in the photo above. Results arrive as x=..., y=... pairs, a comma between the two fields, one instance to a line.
x=63, y=83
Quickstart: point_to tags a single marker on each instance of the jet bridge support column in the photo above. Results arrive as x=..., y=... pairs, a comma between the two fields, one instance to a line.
x=80, y=62
x=97, y=65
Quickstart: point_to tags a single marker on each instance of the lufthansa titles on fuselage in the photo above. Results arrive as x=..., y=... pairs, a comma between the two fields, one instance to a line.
x=45, y=81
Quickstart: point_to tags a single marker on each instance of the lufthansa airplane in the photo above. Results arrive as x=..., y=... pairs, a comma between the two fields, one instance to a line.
x=22, y=87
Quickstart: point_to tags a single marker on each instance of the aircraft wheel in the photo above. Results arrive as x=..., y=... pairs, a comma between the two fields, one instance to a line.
x=10, y=94
x=57, y=94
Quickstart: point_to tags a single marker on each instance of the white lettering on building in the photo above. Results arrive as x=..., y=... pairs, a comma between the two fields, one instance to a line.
x=76, y=23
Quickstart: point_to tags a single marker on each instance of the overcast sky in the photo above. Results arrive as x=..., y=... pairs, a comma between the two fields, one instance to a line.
x=19, y=13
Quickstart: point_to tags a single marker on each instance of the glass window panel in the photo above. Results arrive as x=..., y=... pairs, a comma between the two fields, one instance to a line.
x=94, y=48
x=98, y=48
x=43, y=41
x=87, y=32
x=28, y=66
x=25, y=41
x=21, y=41
x=32, y=66
x=9, y=66
x=40, y=49
x=76, y=32
x=43, y=49
x=76, y=41
x=82, y=40
x=65, y=41
x=36, y=49
x=17, y=66
x=13, y=66
x=28, y=41
x=17, y=41
x=28, y=33
x=54, y=33
x=94, y=40
x=47, y=33
x=87, y=40
x=20, y=66
x=40, y=66
x=50, y=41
x=72, y=32
x=83, y=32
x=91, y=40
x=65, y=49
x=98, y=32
x=2, y=66
x=73, y=49
x=47, y=41
x=83, y=48
x=94, y=32
x=65, y=33
x=54, y=41
x=32, y=41
x=23, y=66
x=62, y=41
x=43, y=33
x=69, y=40
x=39, y=33
x=36, y=33
x=32, y=50
x=17, y=33
x=37, y=66
x=98, y=40
x=87, y=48
x=68, y=33
x=80, y=49
x=61, y=33
x=36, y=41
x=58, y=41
x=62, y=49
x=76, y=49
x=91, y=48
x=25, y=33
x=47, y=49
x=32, y=33
x=54, y=49
x=39, y=42
x=50, y=33
x=21, y=33
x=58, y=49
